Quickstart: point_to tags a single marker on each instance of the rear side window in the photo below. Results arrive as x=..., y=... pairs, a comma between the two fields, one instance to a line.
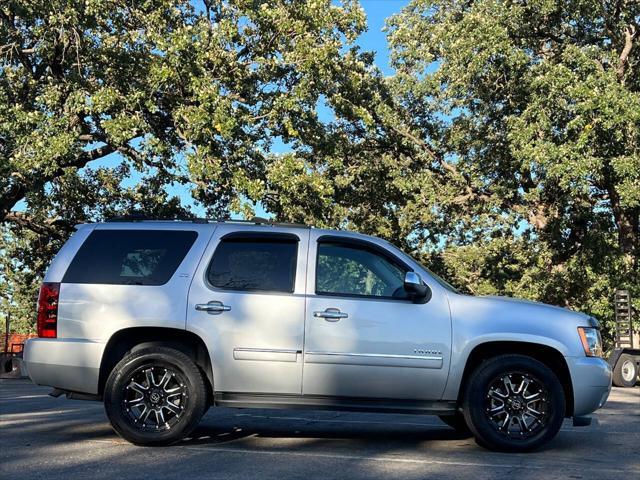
x=263, y=264
x=129, y=257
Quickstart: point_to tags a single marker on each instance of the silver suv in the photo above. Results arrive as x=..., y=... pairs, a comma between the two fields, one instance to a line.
x=162, y=319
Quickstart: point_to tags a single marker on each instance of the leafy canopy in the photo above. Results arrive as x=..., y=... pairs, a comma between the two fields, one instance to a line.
x=503, y=152
x=108, y=105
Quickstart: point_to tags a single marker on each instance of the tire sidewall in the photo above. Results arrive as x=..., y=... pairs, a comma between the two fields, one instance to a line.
x=163, y=357
x=619, y=380
x=474, y=403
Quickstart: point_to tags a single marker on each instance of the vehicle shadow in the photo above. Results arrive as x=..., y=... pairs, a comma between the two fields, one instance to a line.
x=236, y=428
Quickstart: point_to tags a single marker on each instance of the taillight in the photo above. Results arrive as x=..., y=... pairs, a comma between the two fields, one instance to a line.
x=48, y=310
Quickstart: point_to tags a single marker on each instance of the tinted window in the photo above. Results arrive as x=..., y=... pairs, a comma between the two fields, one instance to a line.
x=129, y=257
x=267, y=264
x=344, y=269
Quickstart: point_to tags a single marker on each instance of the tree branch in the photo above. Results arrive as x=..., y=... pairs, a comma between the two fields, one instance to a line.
x=472, y=193
x=18, y=189
x=630, y=33
x=86, y=157
x=17, y=46
x=48, y=227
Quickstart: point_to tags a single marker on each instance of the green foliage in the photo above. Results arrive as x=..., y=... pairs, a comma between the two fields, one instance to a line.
x=504, y=152
x=163, y=93
x=542, y=107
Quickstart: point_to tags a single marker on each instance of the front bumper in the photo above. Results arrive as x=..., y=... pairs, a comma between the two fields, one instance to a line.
x=68, y=364
x=591, y=381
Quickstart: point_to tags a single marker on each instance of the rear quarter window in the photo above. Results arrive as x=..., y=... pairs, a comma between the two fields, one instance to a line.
x=130, y=257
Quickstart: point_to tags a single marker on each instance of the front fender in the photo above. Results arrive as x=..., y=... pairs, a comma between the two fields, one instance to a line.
x=460, y=355
x=460, y=358
x=480, y=320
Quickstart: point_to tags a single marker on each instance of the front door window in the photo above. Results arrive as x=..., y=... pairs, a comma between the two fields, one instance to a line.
x=354, y=270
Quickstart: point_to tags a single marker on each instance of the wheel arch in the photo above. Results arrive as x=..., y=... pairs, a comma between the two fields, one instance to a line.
x=545, y=354
x=134, y=338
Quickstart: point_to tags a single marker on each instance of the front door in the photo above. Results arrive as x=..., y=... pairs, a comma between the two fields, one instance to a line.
x=364, y=337
x=247, y=303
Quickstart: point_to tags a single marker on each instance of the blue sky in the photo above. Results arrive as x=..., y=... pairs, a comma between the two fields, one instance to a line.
x=374, y=39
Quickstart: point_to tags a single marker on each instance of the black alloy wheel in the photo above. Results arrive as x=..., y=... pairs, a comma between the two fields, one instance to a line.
x=155, y=396
x=517, y=404
x=513, y=403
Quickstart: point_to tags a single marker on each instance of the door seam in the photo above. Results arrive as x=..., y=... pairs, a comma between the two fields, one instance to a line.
x=304, y=310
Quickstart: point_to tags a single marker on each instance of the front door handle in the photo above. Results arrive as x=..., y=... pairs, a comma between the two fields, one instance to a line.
x=214, y=307
x=331, y=314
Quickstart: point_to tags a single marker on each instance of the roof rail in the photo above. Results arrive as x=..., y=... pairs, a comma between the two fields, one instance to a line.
x=140, y=217
x=264, y=221
x=136, y=217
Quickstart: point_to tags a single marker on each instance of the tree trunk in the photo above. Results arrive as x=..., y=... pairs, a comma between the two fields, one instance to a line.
x=627, y=223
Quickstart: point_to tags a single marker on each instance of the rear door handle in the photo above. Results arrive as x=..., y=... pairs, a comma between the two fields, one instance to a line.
x=214, y=307
x=331, y=314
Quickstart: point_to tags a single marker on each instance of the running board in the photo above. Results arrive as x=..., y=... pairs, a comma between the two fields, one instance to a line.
x=319, y=402
x=56, y=392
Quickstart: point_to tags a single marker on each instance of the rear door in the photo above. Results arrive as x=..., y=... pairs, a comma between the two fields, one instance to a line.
x=247, y=302
x=364, y=337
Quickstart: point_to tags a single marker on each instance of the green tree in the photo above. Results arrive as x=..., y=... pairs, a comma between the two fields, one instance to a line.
x=504, y=151
x=156, y=93
x=541, y=104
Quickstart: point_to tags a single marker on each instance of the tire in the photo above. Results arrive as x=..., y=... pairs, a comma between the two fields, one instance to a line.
x=507, y=390
x=625, y=373
x=457, y=422
x=155, y=396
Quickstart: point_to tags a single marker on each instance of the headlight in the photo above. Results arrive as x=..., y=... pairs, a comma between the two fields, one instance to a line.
x=591, y=341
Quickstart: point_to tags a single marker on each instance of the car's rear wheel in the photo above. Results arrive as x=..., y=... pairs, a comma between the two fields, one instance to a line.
x=514, y=403
x=155, y=396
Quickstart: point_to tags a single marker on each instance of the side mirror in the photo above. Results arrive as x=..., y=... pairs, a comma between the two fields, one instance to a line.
x=415, y=288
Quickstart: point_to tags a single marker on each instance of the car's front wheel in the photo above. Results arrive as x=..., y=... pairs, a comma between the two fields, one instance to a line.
x=514, y=403
x=155, y=396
